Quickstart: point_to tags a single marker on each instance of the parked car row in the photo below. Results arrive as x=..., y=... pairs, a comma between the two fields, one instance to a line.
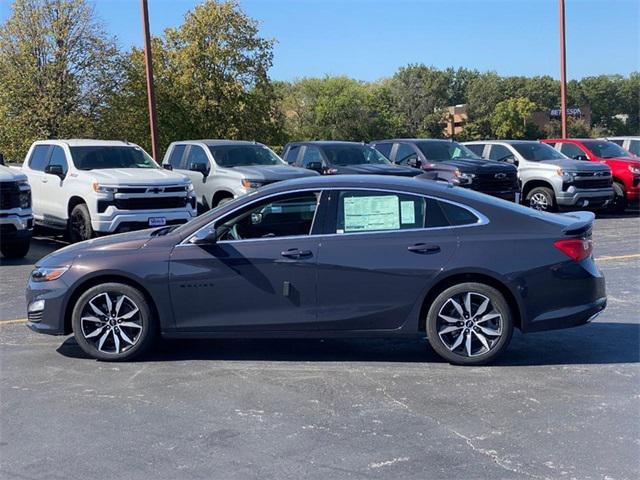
x=86, y=188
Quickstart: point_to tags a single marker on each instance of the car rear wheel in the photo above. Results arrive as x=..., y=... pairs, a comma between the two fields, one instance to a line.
x=469, y=324
x=113, y=322
x=542, y=198
x=15, y=248
x=79, y=227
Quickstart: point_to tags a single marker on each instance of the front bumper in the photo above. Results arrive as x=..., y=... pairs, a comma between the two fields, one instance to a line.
x=585, y=198
x=13, y=226
x=114, y=220
x=51, y=319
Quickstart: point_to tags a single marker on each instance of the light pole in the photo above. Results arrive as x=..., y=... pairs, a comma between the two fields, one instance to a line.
x=151, y=97
x=563, y=73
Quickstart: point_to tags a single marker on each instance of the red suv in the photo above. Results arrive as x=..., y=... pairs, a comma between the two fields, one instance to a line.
x=625, y=167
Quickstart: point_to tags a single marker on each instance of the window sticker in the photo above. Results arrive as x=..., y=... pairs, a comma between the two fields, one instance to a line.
x=407, y=212
x=363, y=214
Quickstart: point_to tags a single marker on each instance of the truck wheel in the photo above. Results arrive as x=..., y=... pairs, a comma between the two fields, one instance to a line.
x=619, y=204
x=15, y=249
x=542, y=198
x=79, y=226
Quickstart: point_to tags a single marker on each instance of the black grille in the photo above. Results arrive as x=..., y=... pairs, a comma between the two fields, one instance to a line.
x=490, y=181
x=35, y=316
x=150, y=203
x=9, y=195
x=597, y=183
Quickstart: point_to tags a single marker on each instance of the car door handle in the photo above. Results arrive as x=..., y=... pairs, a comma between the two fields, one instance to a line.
x=296, y=253
x=44, y=180
x=423, y=248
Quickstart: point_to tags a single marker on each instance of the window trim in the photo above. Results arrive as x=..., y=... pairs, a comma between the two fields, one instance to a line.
x=482, y=219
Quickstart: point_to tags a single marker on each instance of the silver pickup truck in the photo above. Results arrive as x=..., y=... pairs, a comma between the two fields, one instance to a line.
x=549, y=179
x=16, y=220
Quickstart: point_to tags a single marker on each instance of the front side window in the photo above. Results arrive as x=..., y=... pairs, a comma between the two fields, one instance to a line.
x=292, y=154
x=404, y=153
x=346, y=155
x=311, y=155
x=38, y=158
x=176, y=155
x=536, y=152
x=58, y=158
x=291, y=215
x=605, y=149
x=571, y=150
x=230, y=156
x=439, y=151
x=101, y=157
x=198, y=156
x=499, y=152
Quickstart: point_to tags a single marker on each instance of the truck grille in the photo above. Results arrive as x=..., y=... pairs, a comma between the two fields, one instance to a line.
x=496, y=181
x=9, y=195
x=150, y=203
x=604, y=182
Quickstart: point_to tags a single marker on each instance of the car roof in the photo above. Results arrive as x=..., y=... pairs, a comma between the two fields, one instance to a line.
x=508, y=142
x=622, y=137
x=219, y=142
x=87, y=142
x=326, y=142
x=415, y=140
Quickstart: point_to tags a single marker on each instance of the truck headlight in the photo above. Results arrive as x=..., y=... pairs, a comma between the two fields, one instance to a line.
x=635, y=170
x=98, y=188
x=42, y=274
x=190, y=187
x=246, y=183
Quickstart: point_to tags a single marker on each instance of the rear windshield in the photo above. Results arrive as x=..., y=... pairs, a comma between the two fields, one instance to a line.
x=605, y=149
x=345, y=155
x=535, y=152
x=230, y=156
x=441, y=151
x=99, y=157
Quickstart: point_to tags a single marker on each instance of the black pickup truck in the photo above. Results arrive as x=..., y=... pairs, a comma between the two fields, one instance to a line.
x=455, y=163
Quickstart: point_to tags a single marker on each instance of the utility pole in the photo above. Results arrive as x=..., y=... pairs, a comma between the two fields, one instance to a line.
x=151, y=97
x=563, y=73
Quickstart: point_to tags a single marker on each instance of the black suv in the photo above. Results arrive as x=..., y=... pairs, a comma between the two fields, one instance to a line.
x=455, y=163
x=335, y=157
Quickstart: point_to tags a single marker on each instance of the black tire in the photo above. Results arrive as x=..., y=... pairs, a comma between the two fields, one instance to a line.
x=113, y=347
x=79, y=226
x=223, y=200
x=619, y=204
x=542, y=198
x=452, y=346
x=15, y=248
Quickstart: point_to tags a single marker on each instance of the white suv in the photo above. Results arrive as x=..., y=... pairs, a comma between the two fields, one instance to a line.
x=95, y=186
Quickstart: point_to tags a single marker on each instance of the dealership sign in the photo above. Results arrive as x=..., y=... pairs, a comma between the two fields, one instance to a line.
x=572, y=112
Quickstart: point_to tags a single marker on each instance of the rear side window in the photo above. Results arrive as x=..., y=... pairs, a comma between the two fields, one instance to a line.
x=477, y=149
x=176, y=155
x=634, y=147
x=384, y=148
x=457, y=215
x=292, y=154
x=58, y=158
x=38, y=158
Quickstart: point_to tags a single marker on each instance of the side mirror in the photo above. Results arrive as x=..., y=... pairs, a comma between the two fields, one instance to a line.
x=414, y=162
x=315, y=166
x=167, y=166
x=510, y=159
x=209, y=235
x=55, y=170
x=199, y=167
x=581, y=157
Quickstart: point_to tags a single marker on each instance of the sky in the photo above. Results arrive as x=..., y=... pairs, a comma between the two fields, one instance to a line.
x=371, y=39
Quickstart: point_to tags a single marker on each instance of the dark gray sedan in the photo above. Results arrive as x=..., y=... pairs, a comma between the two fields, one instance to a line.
x=343, y=256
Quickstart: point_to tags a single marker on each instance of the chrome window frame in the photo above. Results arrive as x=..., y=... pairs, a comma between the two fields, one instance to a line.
x=482, y=219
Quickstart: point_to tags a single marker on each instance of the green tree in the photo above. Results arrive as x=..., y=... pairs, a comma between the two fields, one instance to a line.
x=511, y=118
x=483, y=93
x=57, y=66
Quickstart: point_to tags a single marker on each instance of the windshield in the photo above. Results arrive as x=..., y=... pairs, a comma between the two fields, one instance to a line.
x=536, y=152
x=605, y=149
x=99, y=157
x=441, y=151
x=345, y=155
x=244, y=155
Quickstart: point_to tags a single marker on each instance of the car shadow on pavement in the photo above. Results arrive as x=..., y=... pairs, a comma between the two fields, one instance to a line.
x=597, y=343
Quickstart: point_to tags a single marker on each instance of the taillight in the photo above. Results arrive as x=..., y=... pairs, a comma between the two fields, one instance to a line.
x=576, y=249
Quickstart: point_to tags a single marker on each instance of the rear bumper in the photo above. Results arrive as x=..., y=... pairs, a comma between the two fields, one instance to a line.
x=574, y=197
x=566, y=317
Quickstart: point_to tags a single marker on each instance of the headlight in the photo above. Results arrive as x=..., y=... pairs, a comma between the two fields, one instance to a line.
x=251, y=184
x=42, y=274
x=567, y=176
x=635, y=170
x=468, y=175
x=23, y=183
x=190, y=187
x=103, y=188
x=25, y=199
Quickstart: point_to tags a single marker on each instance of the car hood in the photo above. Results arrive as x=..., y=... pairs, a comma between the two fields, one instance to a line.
x=472, y=165
x=273, y=173
x=381, y=169
x=137, y=176
x=122, y=241
x=577, y=165
x=622, y=161
x=10, y=174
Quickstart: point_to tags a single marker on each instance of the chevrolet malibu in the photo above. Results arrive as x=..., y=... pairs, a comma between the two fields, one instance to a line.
x=335, y=256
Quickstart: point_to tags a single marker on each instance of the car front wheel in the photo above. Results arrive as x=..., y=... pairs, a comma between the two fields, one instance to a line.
x=542, y=198
x=113, y=322
x=79, y=228
x=15, y=248
x=469, y=324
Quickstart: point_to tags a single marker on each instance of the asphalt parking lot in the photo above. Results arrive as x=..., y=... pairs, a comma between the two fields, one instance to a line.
x=563, y=404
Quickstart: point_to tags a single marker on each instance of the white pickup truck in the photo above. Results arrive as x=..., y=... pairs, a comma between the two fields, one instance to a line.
x=16, y=222
x=90, y=187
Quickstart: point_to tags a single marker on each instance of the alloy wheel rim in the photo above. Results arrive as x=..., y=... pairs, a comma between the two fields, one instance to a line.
x=79, y=226
x=111, y=322
x=469, y=325
x=539, y=201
